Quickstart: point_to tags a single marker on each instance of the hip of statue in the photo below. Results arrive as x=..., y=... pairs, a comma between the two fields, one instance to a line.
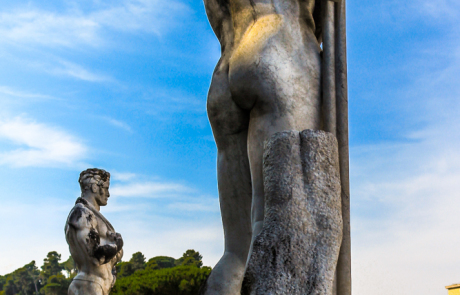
x=86, y=283
x=271, y=52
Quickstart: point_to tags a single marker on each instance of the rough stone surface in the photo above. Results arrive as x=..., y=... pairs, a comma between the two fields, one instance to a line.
x=93, y=243
x=298, y=247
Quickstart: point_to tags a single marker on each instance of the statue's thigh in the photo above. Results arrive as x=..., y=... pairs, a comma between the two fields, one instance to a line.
x=78, y=287
x=225, y=116
x=280, y=83
x=289, y=86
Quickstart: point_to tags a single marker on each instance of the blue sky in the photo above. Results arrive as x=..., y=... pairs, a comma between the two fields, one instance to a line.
x=122, y=85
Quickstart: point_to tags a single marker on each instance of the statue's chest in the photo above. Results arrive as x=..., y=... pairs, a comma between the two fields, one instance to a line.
x=102, y=229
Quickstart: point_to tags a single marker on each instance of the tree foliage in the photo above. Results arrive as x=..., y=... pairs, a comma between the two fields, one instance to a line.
x=69, y=266
x=178, y=280
x=51, y=265
x=57, y=285
x=138, y=261
x=160, y=275
x=159, y=262
x=190, y=257
x=24, y=280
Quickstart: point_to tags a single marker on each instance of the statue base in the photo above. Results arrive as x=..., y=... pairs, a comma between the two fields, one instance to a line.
x=297, y=250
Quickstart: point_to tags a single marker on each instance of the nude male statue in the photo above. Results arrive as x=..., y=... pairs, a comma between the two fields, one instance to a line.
x=267, y=80
x=93, y=242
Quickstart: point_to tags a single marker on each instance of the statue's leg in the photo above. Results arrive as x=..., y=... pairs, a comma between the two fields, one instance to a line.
x=229, y=125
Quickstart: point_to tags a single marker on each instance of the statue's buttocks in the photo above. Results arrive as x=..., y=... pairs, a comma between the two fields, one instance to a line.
x=274, y=63
x=267, y=46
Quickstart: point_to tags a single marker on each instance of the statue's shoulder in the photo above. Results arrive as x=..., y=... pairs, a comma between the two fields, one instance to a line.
x=81, y=216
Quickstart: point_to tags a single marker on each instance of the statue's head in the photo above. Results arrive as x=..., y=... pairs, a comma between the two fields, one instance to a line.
x=95, y=183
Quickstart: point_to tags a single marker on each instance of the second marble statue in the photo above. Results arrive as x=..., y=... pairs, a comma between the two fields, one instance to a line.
x=94, y=245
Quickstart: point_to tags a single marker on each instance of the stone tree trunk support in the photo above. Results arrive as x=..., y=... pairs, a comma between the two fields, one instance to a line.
x=296, y=253
x=344, y=263
x=335, y=115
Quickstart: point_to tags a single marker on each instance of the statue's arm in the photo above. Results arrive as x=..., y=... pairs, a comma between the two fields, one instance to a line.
x=84, y=223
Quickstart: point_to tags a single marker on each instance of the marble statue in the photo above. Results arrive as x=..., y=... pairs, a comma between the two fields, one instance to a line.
x=94, y=245
x=282, y=67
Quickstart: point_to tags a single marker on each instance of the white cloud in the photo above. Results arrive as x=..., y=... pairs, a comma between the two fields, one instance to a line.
x=151, y=16
x=118, y=124
x=30, y=34
x=76, y=27
x=149, y=189
x=73, y=70
x=47, y=28
x=405, y=196
x=439, y=9
x=39, y=144
x=175, y=197
x=122, y=176
x=200, y=204
x=11, y=98
x=170, y=237
x=8, y=91
x=33, y=229
x=406, y=222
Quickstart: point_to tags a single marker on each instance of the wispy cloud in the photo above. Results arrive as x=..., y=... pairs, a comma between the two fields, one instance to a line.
x=405, y=218
x=66, y=68
x=171, y=196
x=39, y=144
x=30, y=33
x=47, y=28
x=11, y=98
x=439, y=9
x=200, y=204
x=149, y=189
x=118, y=124
x=14, y=216
x=76, y=27
x=165, y=101
x=165, y=236
x=8, y=91
x=122, y=176
x=151, y=16
x=405, y=195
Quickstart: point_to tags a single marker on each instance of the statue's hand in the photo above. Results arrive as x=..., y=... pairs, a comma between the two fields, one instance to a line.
x=119, y=241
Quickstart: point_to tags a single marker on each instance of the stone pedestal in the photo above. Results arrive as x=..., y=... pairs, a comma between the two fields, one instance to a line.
x=296, y=253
